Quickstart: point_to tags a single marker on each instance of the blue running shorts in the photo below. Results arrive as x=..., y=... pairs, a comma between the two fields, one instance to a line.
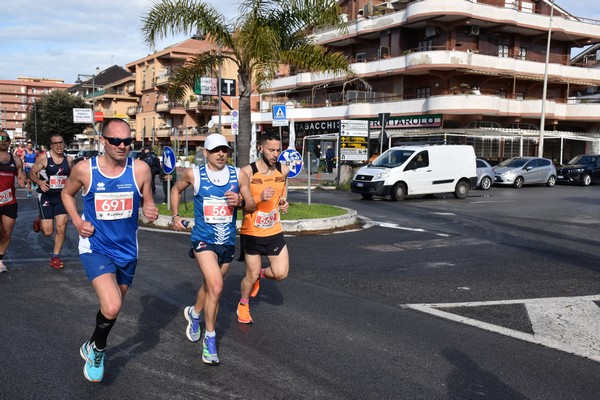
x=96, y=264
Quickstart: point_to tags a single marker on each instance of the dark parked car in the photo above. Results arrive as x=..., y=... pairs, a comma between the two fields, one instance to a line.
x=84, y=155
x=583, y=169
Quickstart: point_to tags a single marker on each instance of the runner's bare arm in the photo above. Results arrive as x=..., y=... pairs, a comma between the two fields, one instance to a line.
x=250, y=204
x=187, y=179
x=34, y=173
x=21, y=178
x=144, y=176
x=79, y=177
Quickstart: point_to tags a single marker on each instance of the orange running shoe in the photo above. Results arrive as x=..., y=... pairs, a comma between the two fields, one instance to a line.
x=243, y=313
x=56, y=263
x=37, y=225
x=255, y=288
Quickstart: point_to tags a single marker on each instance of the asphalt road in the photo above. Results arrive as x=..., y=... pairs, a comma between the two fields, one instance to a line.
x=341, y=326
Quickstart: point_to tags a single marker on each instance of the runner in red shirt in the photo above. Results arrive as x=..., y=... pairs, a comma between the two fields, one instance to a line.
x=10, y=166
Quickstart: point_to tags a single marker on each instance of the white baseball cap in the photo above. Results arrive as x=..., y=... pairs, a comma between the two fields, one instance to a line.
x=215, y=140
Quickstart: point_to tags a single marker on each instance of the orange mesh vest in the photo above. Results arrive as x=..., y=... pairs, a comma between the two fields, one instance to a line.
x=265, y=220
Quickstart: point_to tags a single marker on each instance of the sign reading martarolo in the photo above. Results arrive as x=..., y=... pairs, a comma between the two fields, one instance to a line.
x=408, y=122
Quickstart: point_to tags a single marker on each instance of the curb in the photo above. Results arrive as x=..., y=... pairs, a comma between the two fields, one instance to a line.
x=289, y=226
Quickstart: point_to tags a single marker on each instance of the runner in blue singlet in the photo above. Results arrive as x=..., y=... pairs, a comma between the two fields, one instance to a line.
x=216, y=198
x=113, y=188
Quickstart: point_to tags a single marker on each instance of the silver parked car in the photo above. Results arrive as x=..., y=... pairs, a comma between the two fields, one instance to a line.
x=519, y=171
x=485, y=175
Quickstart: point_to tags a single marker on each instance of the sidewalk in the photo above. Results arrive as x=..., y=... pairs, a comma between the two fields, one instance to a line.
x=320, y=179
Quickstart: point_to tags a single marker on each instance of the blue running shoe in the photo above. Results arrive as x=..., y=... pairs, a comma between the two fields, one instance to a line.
x=93, y=370
x=193, y=328
x=209, y=351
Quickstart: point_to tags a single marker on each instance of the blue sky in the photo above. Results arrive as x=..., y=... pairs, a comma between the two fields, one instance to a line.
x=62, y=38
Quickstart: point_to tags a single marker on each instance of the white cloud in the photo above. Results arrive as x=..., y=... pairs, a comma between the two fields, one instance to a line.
x=62, y=38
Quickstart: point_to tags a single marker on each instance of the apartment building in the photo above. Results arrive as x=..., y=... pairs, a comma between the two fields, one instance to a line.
x=17, y=97
x=161, y=121
x=455, y=71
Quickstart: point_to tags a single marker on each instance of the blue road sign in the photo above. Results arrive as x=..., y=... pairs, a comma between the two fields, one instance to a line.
x=168, y=160
x=279, y=113
x=293, y=160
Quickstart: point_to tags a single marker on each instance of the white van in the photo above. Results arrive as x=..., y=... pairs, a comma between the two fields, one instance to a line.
x=418, y=170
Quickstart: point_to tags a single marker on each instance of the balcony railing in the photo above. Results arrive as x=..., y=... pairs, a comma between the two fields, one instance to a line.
x=162, y=79
x=163, y=131
x=172, y=105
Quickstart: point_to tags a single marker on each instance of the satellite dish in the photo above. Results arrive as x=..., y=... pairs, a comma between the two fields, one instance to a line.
x=211, y=123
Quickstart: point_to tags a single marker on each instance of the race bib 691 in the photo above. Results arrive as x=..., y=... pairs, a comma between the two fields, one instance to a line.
x=110, y=206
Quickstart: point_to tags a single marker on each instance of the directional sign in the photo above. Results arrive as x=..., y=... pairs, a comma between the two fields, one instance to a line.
x=354, y=140
x=235, y=118
x=82, y=116
x=293, y=160
x=168, y=160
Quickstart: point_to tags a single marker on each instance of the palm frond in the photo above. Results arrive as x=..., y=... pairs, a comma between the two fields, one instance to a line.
x=172, y=17
x=184, y=77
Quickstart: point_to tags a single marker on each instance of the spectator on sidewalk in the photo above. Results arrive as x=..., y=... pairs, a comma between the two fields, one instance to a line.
x=329, y=159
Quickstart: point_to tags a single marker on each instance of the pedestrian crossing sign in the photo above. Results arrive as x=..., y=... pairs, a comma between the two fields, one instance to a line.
x=279, y=113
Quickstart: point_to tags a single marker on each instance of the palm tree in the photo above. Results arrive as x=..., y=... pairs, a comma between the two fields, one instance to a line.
x=267, y=33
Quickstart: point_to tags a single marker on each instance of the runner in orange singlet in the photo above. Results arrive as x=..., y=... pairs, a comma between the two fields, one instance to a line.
x=261, y=232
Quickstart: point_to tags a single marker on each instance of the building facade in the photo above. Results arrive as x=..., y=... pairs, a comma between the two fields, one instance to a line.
x=17, y=97
x=159, y=121
x=463, y=71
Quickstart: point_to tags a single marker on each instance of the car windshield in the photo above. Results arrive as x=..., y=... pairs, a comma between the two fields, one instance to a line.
x=392, y=158
x=581, y=160
x=514, y=162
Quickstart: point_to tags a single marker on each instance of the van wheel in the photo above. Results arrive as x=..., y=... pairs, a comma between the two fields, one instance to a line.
x=462, y=190
x=398, y=192
x=518, y=182
x=551, y=181
x=486, y=183
x=585, y=180
x=367, y=196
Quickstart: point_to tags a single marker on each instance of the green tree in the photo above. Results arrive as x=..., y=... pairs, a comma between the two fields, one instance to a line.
x=266, y=33
x=53, y=113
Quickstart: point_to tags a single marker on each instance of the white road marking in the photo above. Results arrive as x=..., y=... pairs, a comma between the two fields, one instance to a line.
x=568, y=324
x=425, y=244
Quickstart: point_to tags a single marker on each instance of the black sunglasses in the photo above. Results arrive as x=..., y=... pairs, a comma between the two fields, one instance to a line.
x=117, y=142
x=4, y=138
x=222, y=149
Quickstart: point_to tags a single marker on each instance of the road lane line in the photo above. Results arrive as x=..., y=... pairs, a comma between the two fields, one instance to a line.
x=568, y=324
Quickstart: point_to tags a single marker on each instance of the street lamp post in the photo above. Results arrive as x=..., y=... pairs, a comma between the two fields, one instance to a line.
x=545, y=87
x=35, y=122
x=93, y=78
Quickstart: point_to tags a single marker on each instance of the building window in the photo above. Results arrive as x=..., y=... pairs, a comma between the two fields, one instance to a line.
x=423, y=93
x=425, y=45
x=523, y=53
x=503, y=50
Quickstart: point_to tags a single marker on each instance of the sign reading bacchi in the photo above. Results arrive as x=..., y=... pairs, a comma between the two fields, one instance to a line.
x=407, y=122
